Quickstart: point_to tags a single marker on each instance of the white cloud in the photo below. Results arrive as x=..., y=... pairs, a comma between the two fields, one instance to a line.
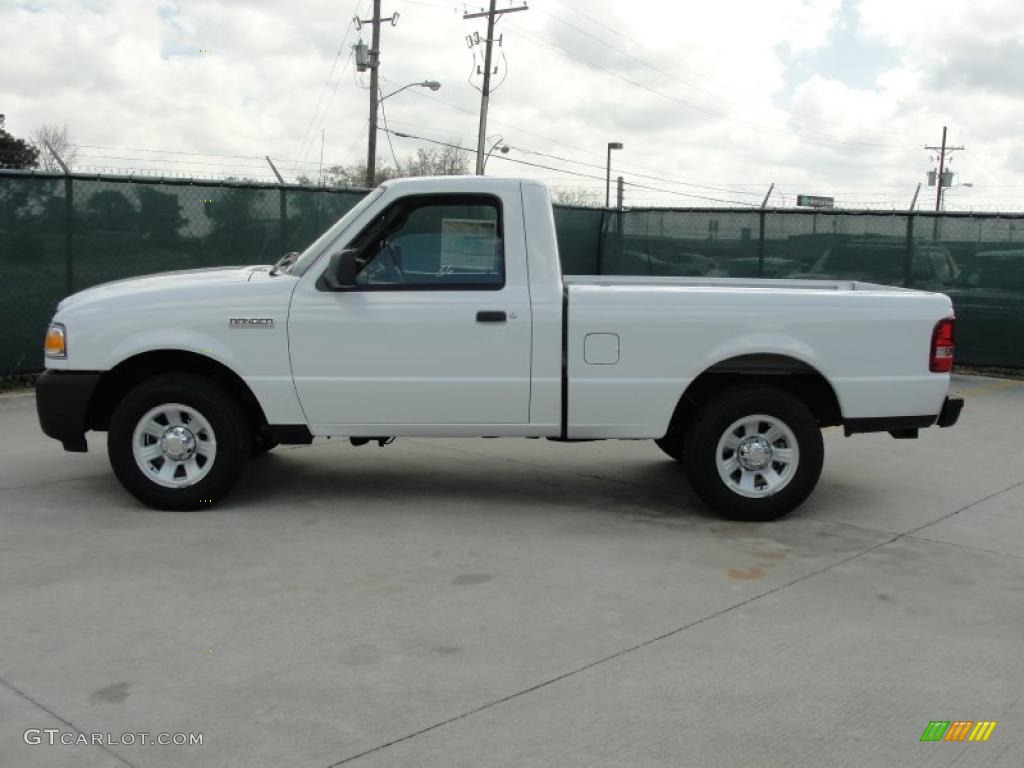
x=703, y=104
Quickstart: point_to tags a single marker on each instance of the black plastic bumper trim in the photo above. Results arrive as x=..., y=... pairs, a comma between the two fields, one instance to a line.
x=290, y=434
x=62, y=402
x=903, y=426
x=886, y=424
x=950, y=413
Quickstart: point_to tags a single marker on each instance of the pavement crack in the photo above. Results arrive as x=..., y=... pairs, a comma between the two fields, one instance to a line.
x=964, y=508
x=617, y=654
x=17, y=691
x=53, y=482
x=665, y=635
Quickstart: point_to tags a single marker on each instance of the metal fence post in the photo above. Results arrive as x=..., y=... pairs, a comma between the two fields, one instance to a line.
x=602, y=235
x=284, y=220
x=69, y=217
x=908, y=257
x=760, y=244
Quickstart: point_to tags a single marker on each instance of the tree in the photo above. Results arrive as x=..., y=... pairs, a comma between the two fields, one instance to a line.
x=578, y=196
x=160, y=218
x=58, y=138
x=433, y=161
x=437, y=161
x=110, y=210
x=354, y=175
x=17, y=153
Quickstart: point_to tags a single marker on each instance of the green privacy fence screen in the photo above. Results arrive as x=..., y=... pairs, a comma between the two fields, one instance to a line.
x=62, y=234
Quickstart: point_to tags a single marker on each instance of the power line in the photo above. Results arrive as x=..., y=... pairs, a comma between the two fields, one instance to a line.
x=558, y=142
x=683, y=67
x=187, y=154
x=387, y=132
x=823, y=141
x=323, y=90
x=571, y=173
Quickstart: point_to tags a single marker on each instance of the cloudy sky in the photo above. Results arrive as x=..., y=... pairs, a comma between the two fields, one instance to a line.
x=713, y=101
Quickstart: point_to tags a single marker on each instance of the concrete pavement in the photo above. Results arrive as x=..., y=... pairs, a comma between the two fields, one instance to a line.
x=518, y=603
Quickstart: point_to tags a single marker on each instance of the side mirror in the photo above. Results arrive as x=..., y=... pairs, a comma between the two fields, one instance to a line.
x=341, y=272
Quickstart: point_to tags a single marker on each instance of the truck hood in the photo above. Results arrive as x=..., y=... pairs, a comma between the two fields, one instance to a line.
x=162, y=282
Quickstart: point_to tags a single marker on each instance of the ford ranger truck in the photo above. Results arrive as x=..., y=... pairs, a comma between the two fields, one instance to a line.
x=437, y=307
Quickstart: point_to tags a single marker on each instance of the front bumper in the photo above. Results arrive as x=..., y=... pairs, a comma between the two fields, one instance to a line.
x=62, y=402
x=950, y=412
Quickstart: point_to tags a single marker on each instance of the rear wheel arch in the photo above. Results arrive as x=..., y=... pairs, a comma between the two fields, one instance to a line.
x=789, y=374
x=119, y=380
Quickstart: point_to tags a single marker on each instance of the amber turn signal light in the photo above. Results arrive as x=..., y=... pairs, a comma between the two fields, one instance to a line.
x=56, y=341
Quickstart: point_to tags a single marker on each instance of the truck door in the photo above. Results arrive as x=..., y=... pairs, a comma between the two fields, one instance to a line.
x=436, y=330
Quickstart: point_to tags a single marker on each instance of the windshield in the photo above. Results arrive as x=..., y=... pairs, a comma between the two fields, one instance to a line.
x=313, y=251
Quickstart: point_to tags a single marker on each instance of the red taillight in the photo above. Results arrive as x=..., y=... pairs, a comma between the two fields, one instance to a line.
x=941, y=360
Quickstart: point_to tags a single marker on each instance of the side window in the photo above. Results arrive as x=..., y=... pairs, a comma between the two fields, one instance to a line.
x=438, y=244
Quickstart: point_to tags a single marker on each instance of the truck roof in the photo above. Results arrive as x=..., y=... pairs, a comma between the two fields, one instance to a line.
x=428, y=184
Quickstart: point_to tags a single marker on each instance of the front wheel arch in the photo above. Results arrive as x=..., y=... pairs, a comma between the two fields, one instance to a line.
x=119, y=380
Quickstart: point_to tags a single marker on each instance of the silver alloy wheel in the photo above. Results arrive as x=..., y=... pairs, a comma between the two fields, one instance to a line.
x=174, y=445
x=757, y=456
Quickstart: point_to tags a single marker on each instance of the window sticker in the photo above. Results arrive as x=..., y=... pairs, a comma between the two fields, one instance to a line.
x=467, y=245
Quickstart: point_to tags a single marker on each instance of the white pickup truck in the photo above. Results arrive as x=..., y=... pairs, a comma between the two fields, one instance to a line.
x=438, y=307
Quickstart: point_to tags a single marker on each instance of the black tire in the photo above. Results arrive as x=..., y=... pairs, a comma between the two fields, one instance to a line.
x=672, y=444
x=710, y=425
x=215, y=405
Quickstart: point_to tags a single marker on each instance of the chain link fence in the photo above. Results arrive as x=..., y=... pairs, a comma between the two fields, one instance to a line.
x=976, y=259
x=60, y=234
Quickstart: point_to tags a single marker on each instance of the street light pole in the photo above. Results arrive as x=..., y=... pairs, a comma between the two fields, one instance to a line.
x=371, y=160
x=499, y=145
x=608, y=173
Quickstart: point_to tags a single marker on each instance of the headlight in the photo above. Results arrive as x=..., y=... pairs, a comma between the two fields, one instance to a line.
x=56, y=344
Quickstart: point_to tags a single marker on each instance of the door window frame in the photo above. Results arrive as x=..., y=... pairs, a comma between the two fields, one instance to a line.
x=370, y=235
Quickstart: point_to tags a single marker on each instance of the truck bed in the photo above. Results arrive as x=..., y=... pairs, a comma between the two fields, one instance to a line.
x=731, y=282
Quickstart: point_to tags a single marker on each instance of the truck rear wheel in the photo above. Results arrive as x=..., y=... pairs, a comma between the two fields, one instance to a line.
x=178, y=441
x=754, y=453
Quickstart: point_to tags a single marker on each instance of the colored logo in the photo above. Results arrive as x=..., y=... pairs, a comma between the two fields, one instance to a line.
x=958, y=730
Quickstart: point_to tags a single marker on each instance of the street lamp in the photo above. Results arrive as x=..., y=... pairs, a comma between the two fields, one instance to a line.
x=499, y=145
x=947, y=190
x=371, y=155
x=431, y=84
x=608, y=175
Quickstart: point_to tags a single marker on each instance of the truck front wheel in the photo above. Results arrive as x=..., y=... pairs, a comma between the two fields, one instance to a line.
x=754, y=452
x=178, y=441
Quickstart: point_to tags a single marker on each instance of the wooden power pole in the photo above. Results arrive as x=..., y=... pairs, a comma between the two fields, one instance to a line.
x=492, y=14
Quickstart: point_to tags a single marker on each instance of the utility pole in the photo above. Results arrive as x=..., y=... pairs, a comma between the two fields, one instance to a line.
x=280, y=179
x=493, y=15
x=943, y=151
x=620, y=188
x=913, y=203
x=373, y=64
x=58, y=158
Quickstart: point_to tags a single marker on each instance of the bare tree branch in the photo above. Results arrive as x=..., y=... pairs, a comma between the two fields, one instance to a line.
x=58, y=138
